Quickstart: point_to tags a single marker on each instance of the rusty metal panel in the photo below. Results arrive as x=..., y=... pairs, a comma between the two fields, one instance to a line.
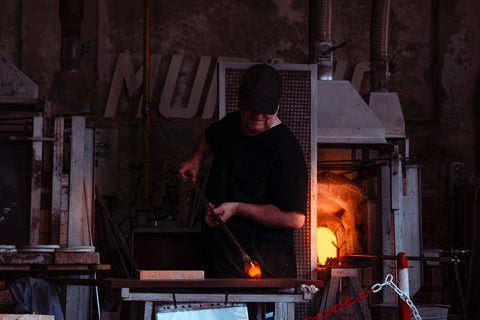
x=78, y=298
x=77, y=226
x=88, y=184
x=408, y=227
x=57, y=171
x=81, y=178
x=36, y=186
x=388, y=233
x=64, y=194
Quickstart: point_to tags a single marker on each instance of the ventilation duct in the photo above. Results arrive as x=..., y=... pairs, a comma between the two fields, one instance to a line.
x=379, y=65
x=69, y=91
x=344, y=117
x=321, y=46
x=386, y=105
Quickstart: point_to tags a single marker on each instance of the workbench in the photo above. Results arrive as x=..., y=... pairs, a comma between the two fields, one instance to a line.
x=284, y=293
x=67, y=268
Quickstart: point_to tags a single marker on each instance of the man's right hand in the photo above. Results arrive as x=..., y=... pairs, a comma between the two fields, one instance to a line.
x=189, y=170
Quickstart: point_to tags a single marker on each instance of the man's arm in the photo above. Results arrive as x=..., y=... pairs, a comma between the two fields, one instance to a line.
x=189, y=169
x=265, y=214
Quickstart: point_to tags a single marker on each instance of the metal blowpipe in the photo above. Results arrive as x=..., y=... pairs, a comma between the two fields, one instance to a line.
x=251, y=267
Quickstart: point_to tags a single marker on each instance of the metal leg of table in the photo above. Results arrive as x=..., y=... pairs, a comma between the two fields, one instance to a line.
x=261, y=310
x=360, y=307
x=333, y=288
x=284, y=311
x=147, y=314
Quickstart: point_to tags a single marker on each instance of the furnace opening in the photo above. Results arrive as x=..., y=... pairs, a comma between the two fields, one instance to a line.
x=339, y=217
x=326, y=245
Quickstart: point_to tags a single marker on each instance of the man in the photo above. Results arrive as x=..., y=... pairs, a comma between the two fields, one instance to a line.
x=257, y=183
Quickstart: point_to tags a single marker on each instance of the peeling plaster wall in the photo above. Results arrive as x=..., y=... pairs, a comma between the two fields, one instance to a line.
x=412, y=49
x=40, y=42
x=439, y=104
x=351, y=24
x=10, y=26
x=435, y=44
x=258, y=31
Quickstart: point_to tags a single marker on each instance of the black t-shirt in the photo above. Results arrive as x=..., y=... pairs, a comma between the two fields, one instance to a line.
x=268, y=168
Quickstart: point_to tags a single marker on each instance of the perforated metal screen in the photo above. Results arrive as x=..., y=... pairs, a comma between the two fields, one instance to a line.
x=297, y=111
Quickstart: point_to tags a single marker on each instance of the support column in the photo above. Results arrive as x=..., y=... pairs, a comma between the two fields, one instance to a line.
x=57, y=171
x=36, y=186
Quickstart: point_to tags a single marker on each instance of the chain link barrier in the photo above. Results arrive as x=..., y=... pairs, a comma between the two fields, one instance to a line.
x=364, y=294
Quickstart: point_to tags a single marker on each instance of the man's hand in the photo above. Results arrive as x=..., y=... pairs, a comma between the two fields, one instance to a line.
x=223, y=212
x=189, y=170
x=264, y=214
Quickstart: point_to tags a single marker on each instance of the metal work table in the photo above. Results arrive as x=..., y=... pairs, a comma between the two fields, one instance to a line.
x=283, y=292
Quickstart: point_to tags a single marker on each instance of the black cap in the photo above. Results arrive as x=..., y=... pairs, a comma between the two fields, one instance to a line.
x=260, y=89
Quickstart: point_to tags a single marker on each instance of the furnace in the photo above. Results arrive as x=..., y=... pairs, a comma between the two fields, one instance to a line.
x=368, y=192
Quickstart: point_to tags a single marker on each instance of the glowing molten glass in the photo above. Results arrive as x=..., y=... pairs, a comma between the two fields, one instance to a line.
x=253, y=269
x=326, y=244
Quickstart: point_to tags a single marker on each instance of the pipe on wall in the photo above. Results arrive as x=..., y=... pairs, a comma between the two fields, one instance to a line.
x=69, y=91
x=71, y=16
x=379, y=27
x=146, y=111
x=321, y=47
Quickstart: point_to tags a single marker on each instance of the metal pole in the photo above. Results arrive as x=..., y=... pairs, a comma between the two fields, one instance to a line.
x=146, y=104
x=402, y=275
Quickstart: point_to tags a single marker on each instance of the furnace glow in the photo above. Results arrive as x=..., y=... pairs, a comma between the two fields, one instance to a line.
x=326, y=245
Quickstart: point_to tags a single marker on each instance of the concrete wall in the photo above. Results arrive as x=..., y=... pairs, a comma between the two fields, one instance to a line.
x=435, y=45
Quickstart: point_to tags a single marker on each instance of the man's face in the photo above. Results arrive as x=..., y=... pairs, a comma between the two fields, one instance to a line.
x=254, y=123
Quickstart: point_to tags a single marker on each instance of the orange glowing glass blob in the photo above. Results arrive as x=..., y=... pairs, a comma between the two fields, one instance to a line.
x=326, y=244
x=253, y=269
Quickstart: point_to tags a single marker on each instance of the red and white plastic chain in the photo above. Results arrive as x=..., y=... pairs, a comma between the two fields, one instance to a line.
x=364, y=294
